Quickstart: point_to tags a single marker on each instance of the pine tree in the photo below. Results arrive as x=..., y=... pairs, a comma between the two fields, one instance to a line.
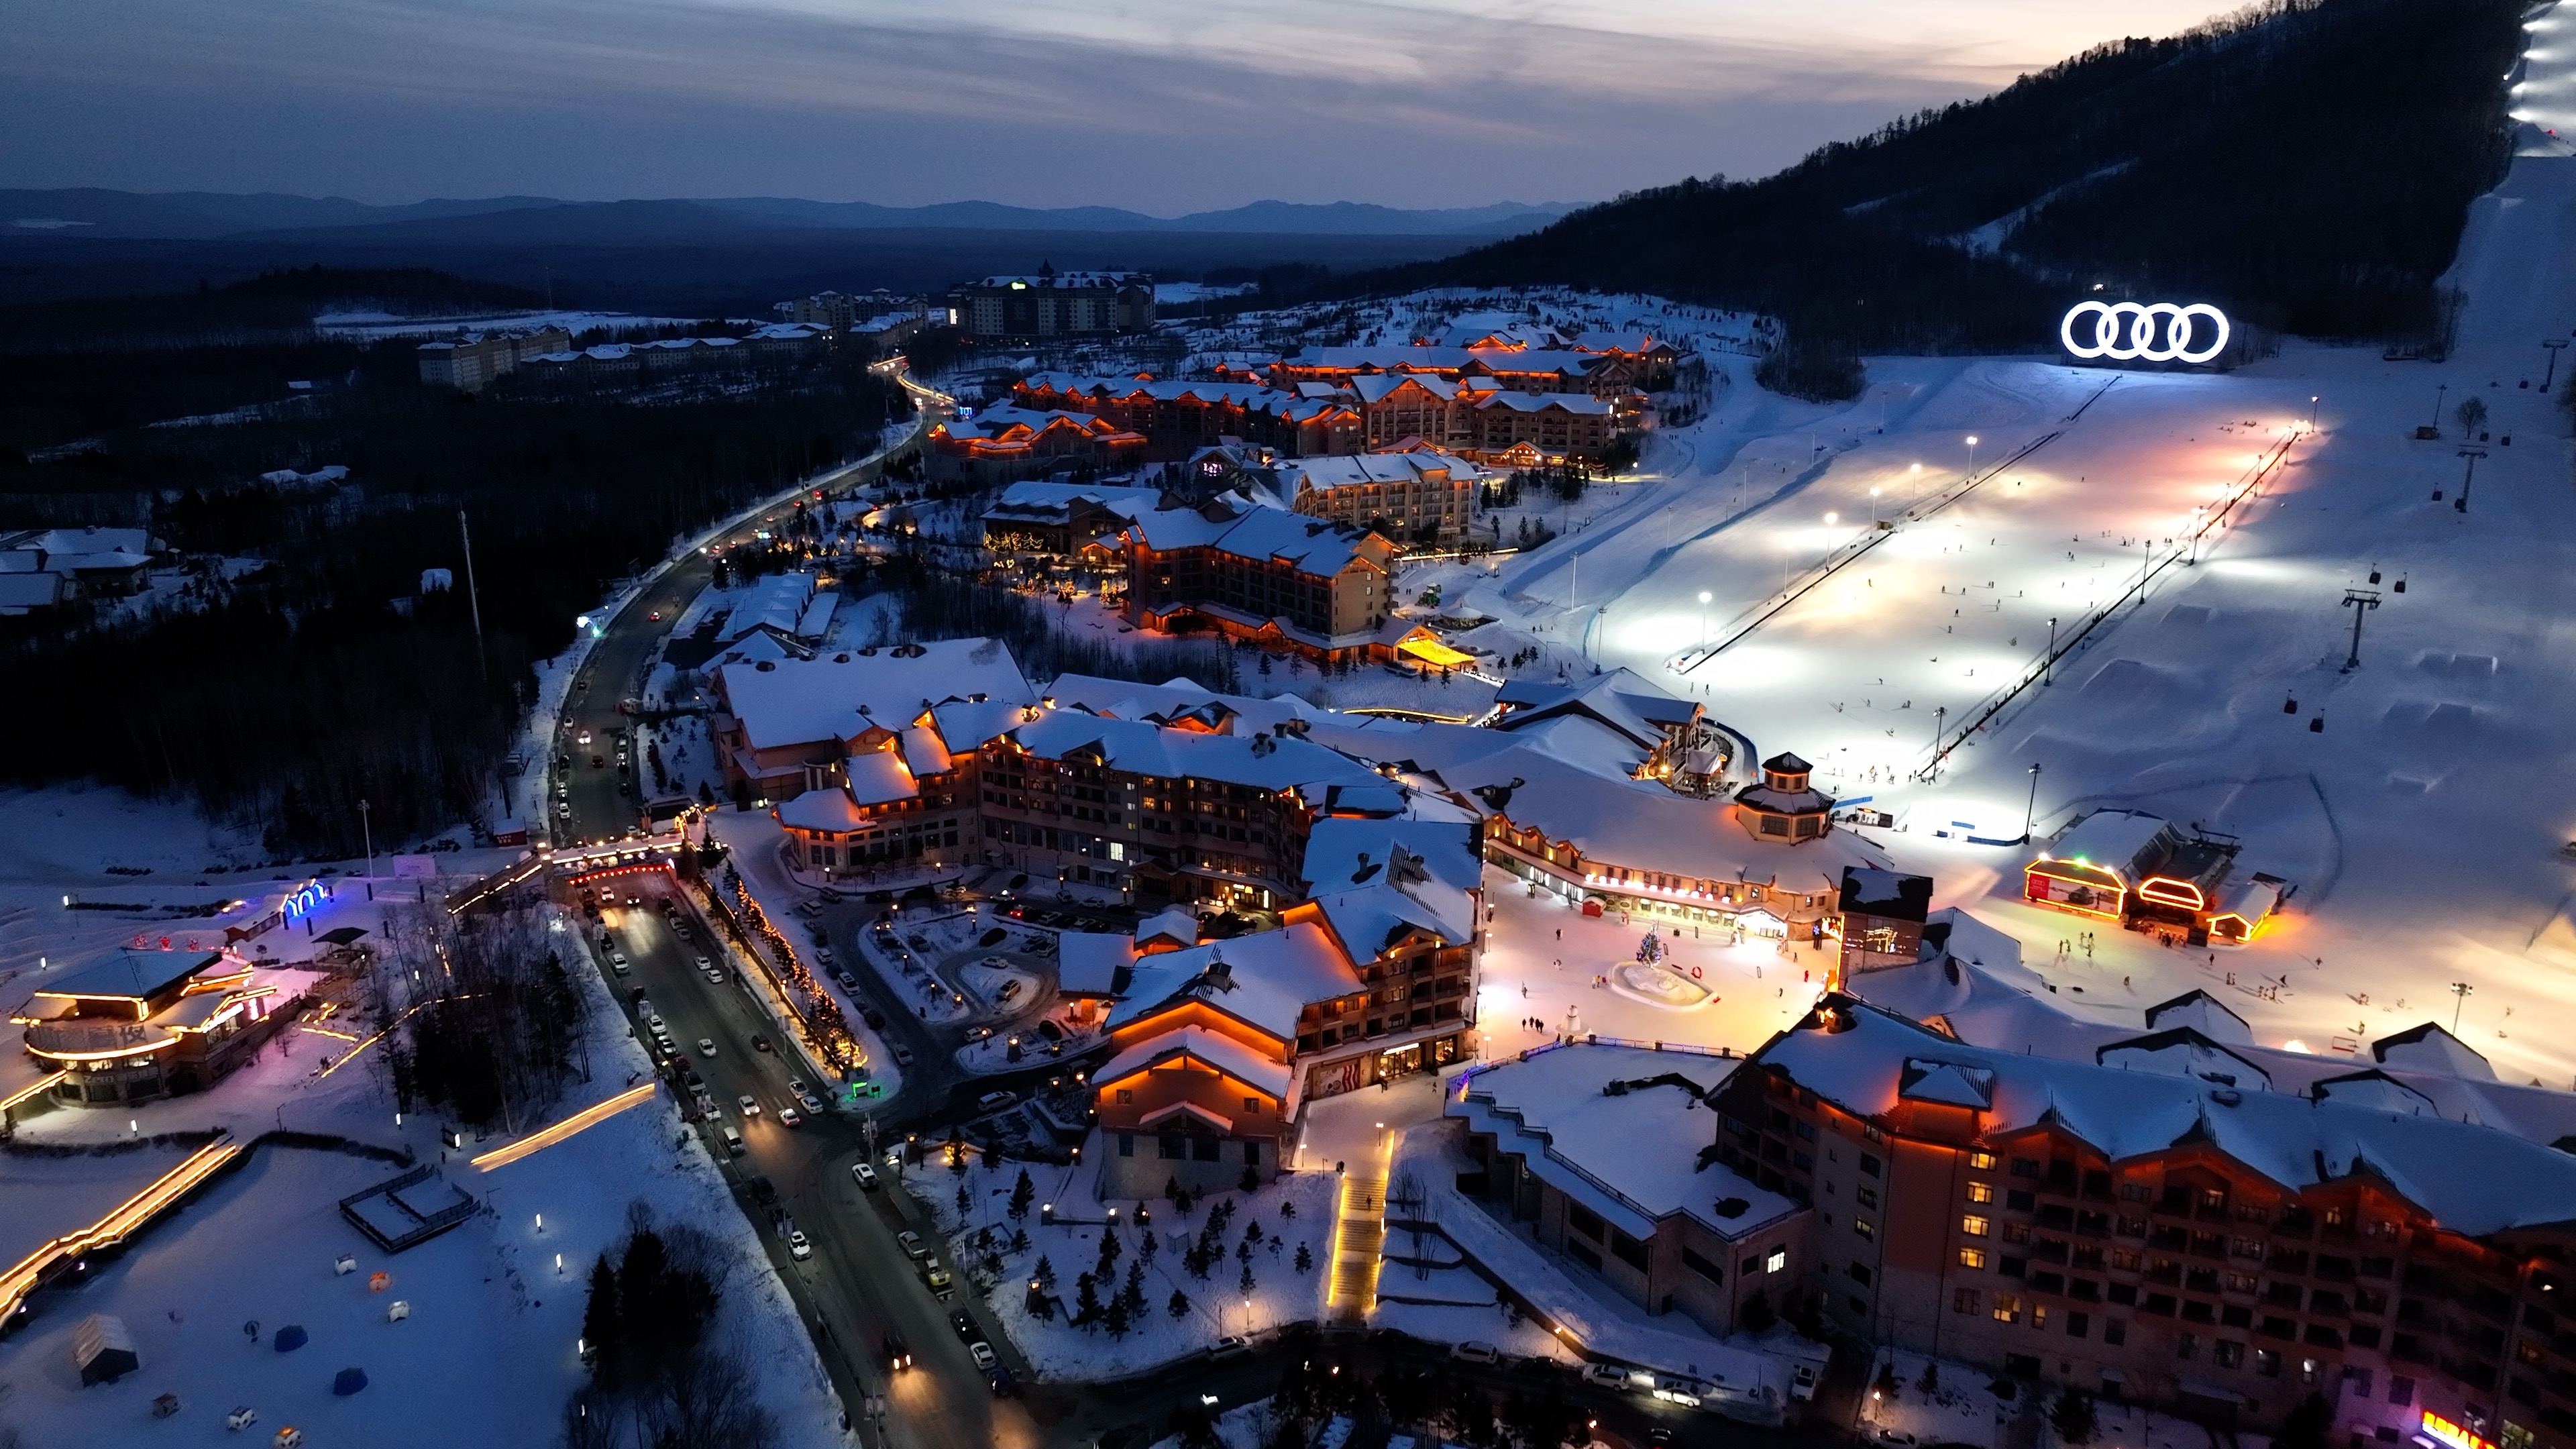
x=1243, y=1284
x=1045, y=1273
x=1180, y=1304
x=1022, y=1192
x=965, y=1204
x=1109, y=1250
x=1115, y=1317
x=1086, y=1300
x=1930, y=1383
x=601, y=1330
x=1305, y=1259
x=1134, y=1292
x=2073, y=1417
x=1019, y=1240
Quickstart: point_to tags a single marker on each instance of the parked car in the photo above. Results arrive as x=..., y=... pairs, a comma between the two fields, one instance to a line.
x=1802, y=1382
x=656, y=1023
x=798, y=1247
x=1605, y=1375
x=912, y=1245
x=1229, y=1346
x=865, y=1175
x=936, y=1279
x=965, y=1326
x=848, y=982
x=1473, y=1351
x=995, y=1101
x=705, y=965
x=1003, y=1384
x=985, y=1358
x=732, y=1141
x=871, y=1015
x=903, y=1056
x=759, y=1042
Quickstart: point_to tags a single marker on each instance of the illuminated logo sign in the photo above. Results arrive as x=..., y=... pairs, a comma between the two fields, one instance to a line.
x=2443, y=1431
x=304, y=900
x=2142, y=331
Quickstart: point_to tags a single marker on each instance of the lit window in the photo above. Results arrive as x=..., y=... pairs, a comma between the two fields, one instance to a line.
x=1982, y=1161
x=1980, y=1192
x=1862, y=1227
x=1972, y=1257
x=1975, y=1226
x=2007, y=1308
x=1777, y=1262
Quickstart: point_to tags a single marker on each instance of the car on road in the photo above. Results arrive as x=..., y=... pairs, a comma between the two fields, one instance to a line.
x=706, y=1046
x=750, y=1106
x=912, y=1245
x=995, y=1101
x=865, y=1176
x=848, y=982
x=897, y=1353
x=1474, y=1351
x=1605, y=1375
x=759, y=1042
x=798, y=1246
x=790, y=1117
x=936, y=1279
x=1003, y=1384
x=705, y=965
x=985, y=1358
x=616, y=958
x=1229, y=1346
x=599, y=762
x=903, y=1056
x=870, y=1014
x=804, y=1095
x=967, y=1332
x=563, y=809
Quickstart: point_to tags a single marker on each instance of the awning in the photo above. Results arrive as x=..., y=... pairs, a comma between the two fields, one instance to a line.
x=343, y=935
x=1423, y=645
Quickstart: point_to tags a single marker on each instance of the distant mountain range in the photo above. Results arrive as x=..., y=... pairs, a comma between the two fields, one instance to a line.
x=206, y=216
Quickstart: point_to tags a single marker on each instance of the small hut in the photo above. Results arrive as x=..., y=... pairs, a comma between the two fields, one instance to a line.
x=102, y=1350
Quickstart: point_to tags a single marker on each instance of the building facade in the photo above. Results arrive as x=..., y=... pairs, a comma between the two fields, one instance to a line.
x=469, y=363
x=1314, y=585
x=1423, y=494
x=1053, y=304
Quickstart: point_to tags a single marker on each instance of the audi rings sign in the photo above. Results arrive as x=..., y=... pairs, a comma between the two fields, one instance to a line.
x=2144, y=331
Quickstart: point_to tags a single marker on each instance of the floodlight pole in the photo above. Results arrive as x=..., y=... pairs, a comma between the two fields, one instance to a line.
x=2438, y=394
x=2360, y=601
x=2553, y=344
x=2031, y=807
x=473, y=597
x=2048, y=661
x=2460, y=998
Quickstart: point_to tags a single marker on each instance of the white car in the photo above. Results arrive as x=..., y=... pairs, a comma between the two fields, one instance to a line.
x=864, y=1175
x=912, y=1245
x=616, y=958
x=983, y=1353
x=750, y=1107
x=1474, y=1352
x=1229, y=1346
x=798, y=1246
x=1605, y=1375
x=790, y=1117
x=705, y=965
x=706, y=1046
x=656, y=1023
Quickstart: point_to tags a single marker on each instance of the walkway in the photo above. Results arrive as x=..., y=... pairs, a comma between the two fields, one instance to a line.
x=1357, y=1239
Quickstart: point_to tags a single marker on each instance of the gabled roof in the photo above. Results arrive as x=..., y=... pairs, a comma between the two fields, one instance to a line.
x=1263, y=980
x=1088, y=963
x=839, y=696
x=129, y=972
x=879, y=778
x=1207, y=1048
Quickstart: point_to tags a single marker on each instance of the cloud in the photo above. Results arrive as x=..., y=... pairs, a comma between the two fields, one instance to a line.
x=1160, y=104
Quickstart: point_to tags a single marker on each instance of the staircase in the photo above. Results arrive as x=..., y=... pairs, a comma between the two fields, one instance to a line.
x=1357, y=1240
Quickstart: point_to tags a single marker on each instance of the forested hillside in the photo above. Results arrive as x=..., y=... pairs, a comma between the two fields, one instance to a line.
x=2306, y=164
x=282, y=697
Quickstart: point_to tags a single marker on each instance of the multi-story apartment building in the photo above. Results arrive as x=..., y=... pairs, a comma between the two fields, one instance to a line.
x=2161, y=1223
x=1006, y=444
x=1515, y=429
x=1179, y=418
x=1418, y=494
x=1309, y=584
x=469, y=362
x=1055, y=304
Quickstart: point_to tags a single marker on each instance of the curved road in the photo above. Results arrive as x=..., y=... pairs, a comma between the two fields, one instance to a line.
x=858, y=1285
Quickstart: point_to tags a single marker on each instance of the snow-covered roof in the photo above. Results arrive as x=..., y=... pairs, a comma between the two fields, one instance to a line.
x=829, y=808
x=1088, y=962
x=1525, y=402
x=1629, y=1156
x=878, y=777
x=130, y=971
x=1626, y=701
x=2472, y=1179
x=837, y=696
x=1208, y=1048
x=2113, y=839
x=1175, y=700
x=1353, y=469
x=1266, y=762
x=776, y=602
x=1264, y=979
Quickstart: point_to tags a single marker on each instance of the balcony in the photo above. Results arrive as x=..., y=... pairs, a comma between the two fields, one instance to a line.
x=83, y=1037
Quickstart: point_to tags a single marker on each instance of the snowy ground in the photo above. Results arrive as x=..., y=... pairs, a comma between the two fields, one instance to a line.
x=1280, y=1295
x=489, y=1307
x=1961, y=1408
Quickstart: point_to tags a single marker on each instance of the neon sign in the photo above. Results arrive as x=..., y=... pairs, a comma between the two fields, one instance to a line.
x=2141, y=331
x=2457, y=1436
x=304, y=900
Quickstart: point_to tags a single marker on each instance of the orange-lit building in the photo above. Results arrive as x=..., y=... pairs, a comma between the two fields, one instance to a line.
x=1319, y=587
x=140, y=1023
x=2166, y=1224
x=1178, y=418
x=2141, y=871
x=1006, y=444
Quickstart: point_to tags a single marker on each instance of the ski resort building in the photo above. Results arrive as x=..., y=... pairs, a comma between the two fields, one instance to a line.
x=1051, y=304
x=143, y=1022
x=2167, y=1221
x=1004, y=444
x=1313, y=585
x=2144, y=873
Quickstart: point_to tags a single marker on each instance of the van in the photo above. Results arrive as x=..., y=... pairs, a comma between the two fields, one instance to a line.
x=732, y=1141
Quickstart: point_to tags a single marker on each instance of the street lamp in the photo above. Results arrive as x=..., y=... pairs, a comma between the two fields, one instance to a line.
x=2032, y=805
x=1703, y=621
x=1972, y=455
x=1873, y=506
x=2460, y=991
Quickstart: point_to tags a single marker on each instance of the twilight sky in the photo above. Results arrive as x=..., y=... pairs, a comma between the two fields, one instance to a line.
x=1164, y=106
